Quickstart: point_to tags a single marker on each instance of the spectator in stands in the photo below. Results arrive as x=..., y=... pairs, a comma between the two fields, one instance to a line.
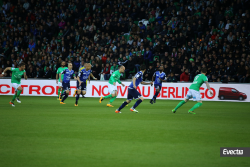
x=106, y=71
x=129, y=68
x=96, y=71
x=32, y=44
x=47, y=72
x=149, y=73
x=184, y=76
x=205, y=34
x=76, y=64
x=172, y=78
x=148, y=57
x=213, y=78
x=113, y=68
x=31, y=73
x=193, y=69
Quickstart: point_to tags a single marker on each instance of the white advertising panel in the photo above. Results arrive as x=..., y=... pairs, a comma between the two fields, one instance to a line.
x=175, y=91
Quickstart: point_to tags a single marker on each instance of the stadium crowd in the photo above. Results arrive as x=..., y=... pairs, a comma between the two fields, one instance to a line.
x=182, y=36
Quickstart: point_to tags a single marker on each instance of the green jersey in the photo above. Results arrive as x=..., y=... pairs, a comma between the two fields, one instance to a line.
x=198, y=81
x=59, y=70
x=16, y=75
x=115, y=77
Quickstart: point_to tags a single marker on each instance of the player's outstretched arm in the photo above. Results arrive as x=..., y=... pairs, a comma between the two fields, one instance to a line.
x=93, y=76
x=4, y=71
x=119, y=81
x=89, y=79
x=208, y=87
x=147, y=83
x=122, y=84
x=78, y=79
x=25, y=76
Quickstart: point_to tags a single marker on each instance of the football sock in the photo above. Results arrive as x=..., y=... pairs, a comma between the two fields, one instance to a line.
x=18, y=93
x=197, y=105
x=180, y=104
x=13, y=99
x=58, y=92
x=156, y=94
x=62, y=92
x=137, y=103
x=77, y=98
x=122, y=106
x=109, y=96
x=64, y=97
x=112, y=99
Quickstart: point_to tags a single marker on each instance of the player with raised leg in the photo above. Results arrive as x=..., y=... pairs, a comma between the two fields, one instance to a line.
x=194, y=93
x=133, y=93
x=68, y=73
x=59, y=70
x=16, y=76
x=81, y=83
x=158, y=78
x=115, y=77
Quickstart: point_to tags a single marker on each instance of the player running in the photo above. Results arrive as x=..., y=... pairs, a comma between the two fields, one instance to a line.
x=194, y=93
x=115, y=77
x=133, y=93
x=92, y=76
x=68, y=73
x=81, y=83
x=59, y=70
x=16, y=76
x=157, y=78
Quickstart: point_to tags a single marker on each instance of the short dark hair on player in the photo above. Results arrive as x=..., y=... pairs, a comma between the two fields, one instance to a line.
x=143, y=67
x=22, y=64
x=204, y=70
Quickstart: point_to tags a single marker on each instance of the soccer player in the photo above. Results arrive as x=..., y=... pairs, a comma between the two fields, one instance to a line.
x=59, y=70
x=81, y=83
x=16, y=76
x=75, y=92
x=115, y=77
x=68, y=73
x=133, y=93
x=194, y=93
x=157, y=78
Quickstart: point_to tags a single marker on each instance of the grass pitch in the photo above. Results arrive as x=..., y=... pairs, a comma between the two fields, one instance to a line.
x=42, y=132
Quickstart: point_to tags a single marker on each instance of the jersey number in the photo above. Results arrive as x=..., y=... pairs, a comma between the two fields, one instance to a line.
x=195, y=79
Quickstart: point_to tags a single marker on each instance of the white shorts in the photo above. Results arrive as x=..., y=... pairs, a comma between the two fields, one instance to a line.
x=112, y=88
x=193, y=94
x=59, y=83
x=15, y=86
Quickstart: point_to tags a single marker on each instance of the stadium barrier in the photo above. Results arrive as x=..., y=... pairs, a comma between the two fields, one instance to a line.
x=174, y=91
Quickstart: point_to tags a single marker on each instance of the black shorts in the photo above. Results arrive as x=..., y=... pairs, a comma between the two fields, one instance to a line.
x=81, y=87
x=66, y=86
x=133, y=94
x=157, y=87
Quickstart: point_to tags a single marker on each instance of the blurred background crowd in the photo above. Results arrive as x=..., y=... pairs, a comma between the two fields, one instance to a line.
x=182, y=36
